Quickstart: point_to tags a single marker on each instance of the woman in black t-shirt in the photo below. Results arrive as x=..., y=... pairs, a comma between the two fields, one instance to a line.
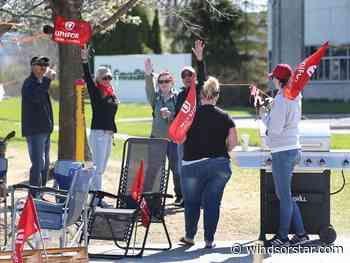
x=104, y=104
x=206, y=165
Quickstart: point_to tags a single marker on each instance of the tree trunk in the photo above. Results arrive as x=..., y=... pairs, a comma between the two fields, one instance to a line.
x=70, y=70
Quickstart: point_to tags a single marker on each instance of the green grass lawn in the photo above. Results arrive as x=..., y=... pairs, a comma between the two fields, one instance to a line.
x=321, y=107
x=10, y=120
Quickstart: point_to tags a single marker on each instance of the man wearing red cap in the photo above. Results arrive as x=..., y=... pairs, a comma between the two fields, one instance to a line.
x=283, y=139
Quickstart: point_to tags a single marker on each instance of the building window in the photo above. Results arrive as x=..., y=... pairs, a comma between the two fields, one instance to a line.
x=334, y=66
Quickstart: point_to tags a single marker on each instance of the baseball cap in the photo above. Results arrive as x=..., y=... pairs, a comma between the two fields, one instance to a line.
x=281, y=72
x=187, y=68
x=41, y=60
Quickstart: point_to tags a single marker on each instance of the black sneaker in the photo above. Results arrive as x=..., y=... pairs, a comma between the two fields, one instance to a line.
x=179, y=202
x=277, y=241
x=299, y=240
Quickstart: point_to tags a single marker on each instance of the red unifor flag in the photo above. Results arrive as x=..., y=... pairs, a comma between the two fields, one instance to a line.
x=136, y=194
x=71, y=31
x=28, y=224
x=183, y=121
x=303, y=73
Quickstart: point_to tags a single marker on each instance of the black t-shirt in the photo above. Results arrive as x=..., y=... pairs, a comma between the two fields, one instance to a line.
x=207, y=135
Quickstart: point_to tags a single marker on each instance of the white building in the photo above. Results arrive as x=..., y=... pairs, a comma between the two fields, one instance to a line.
x=128, y=72
x=297, y=28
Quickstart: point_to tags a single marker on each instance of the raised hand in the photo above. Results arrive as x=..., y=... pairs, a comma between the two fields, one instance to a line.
x=148, y=67
x=50, y=73
x=198, y=49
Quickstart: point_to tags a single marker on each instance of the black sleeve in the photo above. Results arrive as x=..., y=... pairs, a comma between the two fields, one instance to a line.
x=229, y=121
x=202, y=75
x=93, y=92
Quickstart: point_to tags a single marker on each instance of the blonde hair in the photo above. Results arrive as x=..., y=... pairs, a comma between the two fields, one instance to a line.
x=211, y=88
x=102, y=72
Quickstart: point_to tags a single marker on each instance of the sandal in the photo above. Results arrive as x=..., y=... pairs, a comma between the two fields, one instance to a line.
x=186, y=241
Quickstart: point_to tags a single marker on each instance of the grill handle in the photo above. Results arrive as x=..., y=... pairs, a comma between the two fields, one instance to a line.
x=311, y=145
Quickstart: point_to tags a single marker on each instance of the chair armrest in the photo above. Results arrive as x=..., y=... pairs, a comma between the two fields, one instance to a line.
x=101, y=194
x=155, y=194
x=38, y=189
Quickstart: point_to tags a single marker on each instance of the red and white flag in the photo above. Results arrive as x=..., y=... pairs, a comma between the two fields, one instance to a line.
x=28, y=224
x=255, y=93
x=303, y=73
x=136, y=194
x=253, y=90
x=183, y=121
x=71, y=31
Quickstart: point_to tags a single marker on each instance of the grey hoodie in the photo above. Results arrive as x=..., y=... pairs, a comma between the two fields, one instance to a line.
x=282, y=123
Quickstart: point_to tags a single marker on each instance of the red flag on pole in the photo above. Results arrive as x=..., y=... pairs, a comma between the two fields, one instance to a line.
x=136, y=194
x=303, y=73
x=183, y=121
x=72, y=31
x=28, y=224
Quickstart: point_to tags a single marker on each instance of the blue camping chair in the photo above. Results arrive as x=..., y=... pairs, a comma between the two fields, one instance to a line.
x=70, y=206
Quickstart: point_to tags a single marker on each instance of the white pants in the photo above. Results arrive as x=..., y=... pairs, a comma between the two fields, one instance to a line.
x=100, y=143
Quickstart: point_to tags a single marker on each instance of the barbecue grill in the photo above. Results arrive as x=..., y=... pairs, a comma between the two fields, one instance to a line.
x=310, y=183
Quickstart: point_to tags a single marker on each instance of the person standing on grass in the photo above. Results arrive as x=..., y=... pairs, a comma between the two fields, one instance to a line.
x=37, y=118
x=206, y=166
x=104, y=105
x=283, y=139
x=186, y=75
x=163, y=101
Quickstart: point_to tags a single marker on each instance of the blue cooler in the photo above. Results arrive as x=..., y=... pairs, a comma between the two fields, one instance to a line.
x=64, y=171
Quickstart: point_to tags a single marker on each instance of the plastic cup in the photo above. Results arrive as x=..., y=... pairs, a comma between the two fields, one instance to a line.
x=245, y=141
x=163, y=112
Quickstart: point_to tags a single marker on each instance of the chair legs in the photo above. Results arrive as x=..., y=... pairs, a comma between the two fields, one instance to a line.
x=144, y=247
x=141, y=249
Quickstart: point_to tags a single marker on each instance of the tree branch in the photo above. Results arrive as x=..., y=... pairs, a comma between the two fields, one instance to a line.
x=32, y=8
x=39, y=17
x=8, y=12
x=4, y=28
x=115, y=17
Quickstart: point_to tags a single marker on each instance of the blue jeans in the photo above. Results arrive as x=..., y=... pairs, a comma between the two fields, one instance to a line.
x=204, y=182
x=39, y=154
x=174, y=158
x=282, y=170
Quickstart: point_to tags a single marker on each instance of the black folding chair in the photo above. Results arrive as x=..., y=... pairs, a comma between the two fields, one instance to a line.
x=120, y=223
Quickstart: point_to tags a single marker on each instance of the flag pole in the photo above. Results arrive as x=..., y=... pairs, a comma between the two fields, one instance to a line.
x=244, y=84
x=41, y=237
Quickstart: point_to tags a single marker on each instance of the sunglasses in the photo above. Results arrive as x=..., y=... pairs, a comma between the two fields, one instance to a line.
x=186, y=74
x=107, y=78
x=164, y=81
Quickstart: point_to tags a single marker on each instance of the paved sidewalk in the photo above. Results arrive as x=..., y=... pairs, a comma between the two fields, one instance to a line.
x=339, y=253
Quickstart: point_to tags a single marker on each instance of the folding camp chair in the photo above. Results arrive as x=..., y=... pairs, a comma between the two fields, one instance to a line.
x=69, y=208
x=120, y=223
